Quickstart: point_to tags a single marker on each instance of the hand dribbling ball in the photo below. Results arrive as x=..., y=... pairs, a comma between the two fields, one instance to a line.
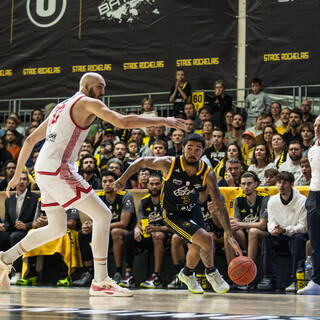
x=242, y=270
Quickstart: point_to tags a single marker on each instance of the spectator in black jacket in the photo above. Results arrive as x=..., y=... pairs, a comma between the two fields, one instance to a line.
x=87, y=170
x=5, y=155
x=8, y=171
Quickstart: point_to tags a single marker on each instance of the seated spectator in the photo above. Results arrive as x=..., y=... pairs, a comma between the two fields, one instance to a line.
x=105, y=134
x=180, y=93
x=20, y=128
x=207, y=133
x=11, y=144
x=276, y=112
x=31, y=172
x=115, y=165
x=147, y=108
x=257, y=129
x=218, y=150
x=177, y=139
x=160, y=148
x=305, y=108
x=284, y=117
x=5, y=155
x=12, y=124
x=248, y=145
x=292, y=165
x=4, y=237
x=294, y=133
x=159, y=134
x=220, y=103
x=133, y=148
x=87, y=170
x=306, y=171
x=266, y=121
x=204, y=114
x=104, y=154
x=143, y=178
x=190, y=111
x=307, y=135
x=37, y=115
x=190, y=126
x=227, y=123
x=120, y=151
x=20, y=210
x=123, y=219
x=279, y=150
x=152, y=237
x=287, y=231
x=267, y=135
x=233, y=152
x=257, y=102
x=234, y=136
x=261, y=161
x=138, y=136
x=8, y=171
x=233, y=172
x=250, y=217
x=270, y=176
x=87, y=145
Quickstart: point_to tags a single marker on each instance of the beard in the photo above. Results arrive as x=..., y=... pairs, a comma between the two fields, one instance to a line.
x=89, y=170
x=192, y=163
x=92, y=95
x=155, y=193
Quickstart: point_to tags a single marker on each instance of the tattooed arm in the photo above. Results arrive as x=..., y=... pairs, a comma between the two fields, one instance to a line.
x=220, y=210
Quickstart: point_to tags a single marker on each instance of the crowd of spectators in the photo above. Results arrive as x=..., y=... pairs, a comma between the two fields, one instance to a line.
x=263, y=145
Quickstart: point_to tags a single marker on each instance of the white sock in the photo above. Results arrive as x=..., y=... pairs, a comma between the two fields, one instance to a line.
x=100, y=270
x=12, y=254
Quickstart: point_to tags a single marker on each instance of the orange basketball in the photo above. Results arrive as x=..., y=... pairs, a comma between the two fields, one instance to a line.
x=242, y=270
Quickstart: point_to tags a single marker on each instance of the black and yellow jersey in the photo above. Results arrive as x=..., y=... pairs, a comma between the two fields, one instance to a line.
x=150, y=210
x=180, y=192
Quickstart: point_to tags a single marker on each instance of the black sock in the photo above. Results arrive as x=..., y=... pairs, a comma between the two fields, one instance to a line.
x=210, y=270
x=177, y=268
x=187, y=271
x=119, y=269
x=156, y=274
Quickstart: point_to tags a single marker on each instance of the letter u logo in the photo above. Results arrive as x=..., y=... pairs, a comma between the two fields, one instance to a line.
x=45, y=13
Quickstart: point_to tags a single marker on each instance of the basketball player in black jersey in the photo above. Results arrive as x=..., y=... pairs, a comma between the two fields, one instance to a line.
x=186, y=180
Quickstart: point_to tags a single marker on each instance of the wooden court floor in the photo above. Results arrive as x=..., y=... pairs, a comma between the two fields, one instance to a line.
x=74, y=303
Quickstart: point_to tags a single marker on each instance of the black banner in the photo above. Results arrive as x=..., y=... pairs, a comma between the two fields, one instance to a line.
x=46, y=45
x=283, y=41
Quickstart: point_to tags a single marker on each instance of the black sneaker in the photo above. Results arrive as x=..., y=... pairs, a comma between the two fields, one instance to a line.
x=154, y=282
x=127, y=281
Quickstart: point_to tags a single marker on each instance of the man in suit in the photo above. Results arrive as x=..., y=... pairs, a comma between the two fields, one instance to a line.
x=20, y=209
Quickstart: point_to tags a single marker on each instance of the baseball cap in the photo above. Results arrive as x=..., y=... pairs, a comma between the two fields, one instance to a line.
x=248, y=133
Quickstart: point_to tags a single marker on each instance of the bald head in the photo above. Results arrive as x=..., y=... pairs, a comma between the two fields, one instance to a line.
x=92, y=85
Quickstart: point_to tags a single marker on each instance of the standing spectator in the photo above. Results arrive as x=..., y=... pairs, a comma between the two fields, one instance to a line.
x=293, y=133
x=11, y=144
x=279, y=150
x=307, y=135
x=8, y=170
x=20, y=209
x=250, y=217
x=248, y=145
x=287, y=226
x=149, y=208
x=313, y=215
x=306, y=171
x=220, y=103
x=276, y=112
x=257, y=102
x=284, y=117
x=190, y=111
x=292, y=165
x=237, y=129
x=261, y=161
x=271, y=177
x=87, y=170
x=218, y=150
x=123, y=218
x=5, y=155
x=233, y=172
x=257, y=129
x=177, y=140
x=180, y=93
x=305, y=109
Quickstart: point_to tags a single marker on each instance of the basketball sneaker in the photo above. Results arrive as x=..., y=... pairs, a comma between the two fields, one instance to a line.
x=127, y=281
x=191, y=282
x=175, y=283
x=291, y=288
x=154, y=282
x=108, y=287
x=5, y=270
x=311, y=289
x=218, y=284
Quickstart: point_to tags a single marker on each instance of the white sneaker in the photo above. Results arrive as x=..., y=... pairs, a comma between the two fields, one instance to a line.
x=5, y=270
x=15, y=278
x=191, y=282
x=108, y=287
x=218, y=284
x=311, y=289
x=291, y=288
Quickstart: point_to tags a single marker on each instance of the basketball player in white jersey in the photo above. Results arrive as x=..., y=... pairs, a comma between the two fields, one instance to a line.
x=62, y=187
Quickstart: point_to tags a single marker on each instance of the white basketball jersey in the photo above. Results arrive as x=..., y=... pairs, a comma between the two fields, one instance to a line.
x=64, y=139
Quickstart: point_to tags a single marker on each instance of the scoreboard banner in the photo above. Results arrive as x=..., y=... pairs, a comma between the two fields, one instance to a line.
x=46, y=45
x=283, y=45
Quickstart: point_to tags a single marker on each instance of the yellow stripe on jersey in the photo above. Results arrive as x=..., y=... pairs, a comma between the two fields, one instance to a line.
x=182, y=165
x=202, y=166
x=170, y=170
x=205, y=176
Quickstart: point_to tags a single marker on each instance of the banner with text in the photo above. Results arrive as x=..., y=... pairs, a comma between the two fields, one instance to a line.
x=282, y=38
x=135, y=44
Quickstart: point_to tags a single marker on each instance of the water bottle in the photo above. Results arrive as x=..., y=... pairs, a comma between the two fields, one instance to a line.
x=308, y=269
x=300, y=275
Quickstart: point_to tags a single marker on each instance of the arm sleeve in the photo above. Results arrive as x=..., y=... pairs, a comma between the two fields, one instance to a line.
x=127, y=203
x=263, y=210
x=141, y=214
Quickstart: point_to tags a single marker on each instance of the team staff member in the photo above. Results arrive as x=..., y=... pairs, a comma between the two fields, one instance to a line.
x=184, y=180
x=313, y=213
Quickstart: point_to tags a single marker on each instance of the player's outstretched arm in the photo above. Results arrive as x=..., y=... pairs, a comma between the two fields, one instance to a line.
x=221, y=211
x=131, y=121
x=155, y=163
x=36, y=136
